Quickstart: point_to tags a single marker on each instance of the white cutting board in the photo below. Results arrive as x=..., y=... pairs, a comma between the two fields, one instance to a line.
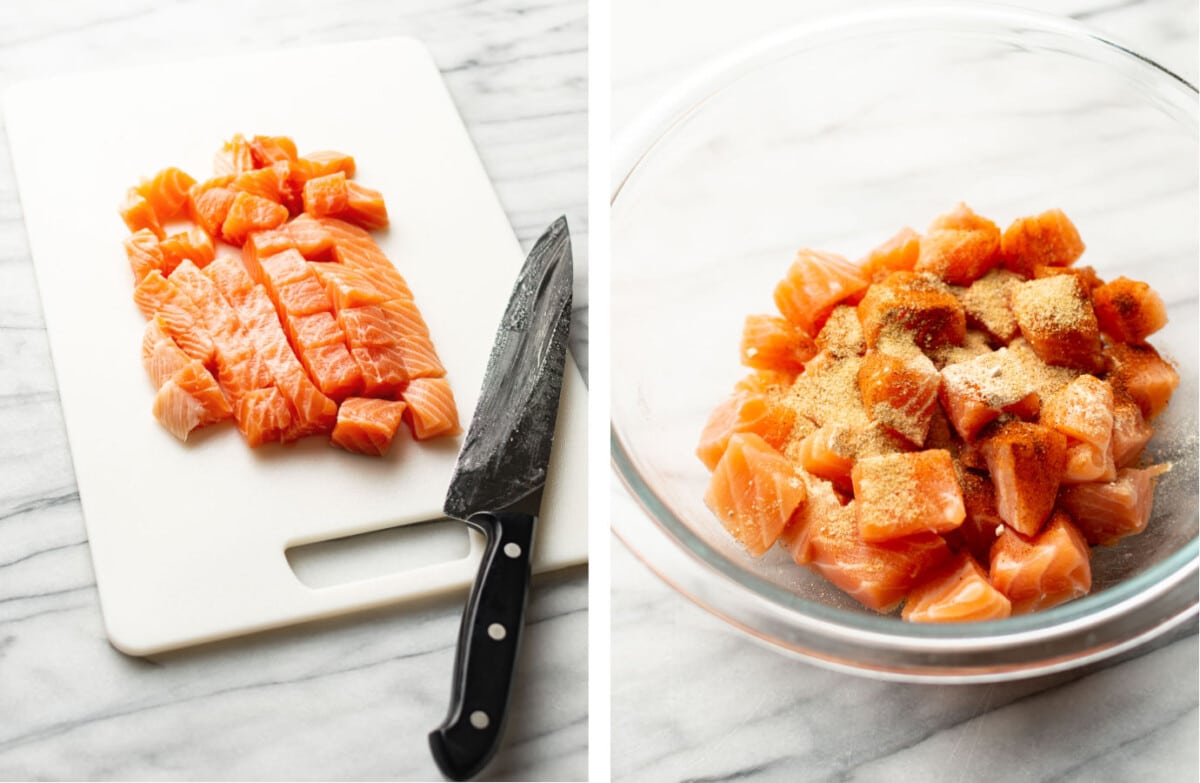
x=189, y=541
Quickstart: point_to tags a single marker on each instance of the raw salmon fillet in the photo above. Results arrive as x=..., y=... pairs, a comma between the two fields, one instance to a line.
x=161, y=356
x=1107, y=512
x=189, y=399
x=958, y=593
x=760, y=414
x=814, y=283
x=144, y=254
x=754, y=490
x=367, y=425
x=167, y=192
x=1044, y=571
x=180, y=318
x=773, y=343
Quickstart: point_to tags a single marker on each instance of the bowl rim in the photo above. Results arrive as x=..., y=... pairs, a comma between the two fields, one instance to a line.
x=633, y=145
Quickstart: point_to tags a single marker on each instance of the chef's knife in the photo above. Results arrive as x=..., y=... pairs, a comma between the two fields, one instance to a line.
x=497, y=488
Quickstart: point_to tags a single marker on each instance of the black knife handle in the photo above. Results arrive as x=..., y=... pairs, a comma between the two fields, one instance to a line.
x=488, y=641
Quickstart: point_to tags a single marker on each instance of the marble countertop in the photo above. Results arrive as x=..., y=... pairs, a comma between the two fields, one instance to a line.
x=694, y=699
x=351, y=698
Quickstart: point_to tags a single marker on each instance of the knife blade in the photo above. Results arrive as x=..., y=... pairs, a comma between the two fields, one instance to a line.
x=497, y=488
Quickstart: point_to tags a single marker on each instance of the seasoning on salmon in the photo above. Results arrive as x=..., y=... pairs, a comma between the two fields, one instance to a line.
x=958, y=398
x=1046, y=570
x=957, y=593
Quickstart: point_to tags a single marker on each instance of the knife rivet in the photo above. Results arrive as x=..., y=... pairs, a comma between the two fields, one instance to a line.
x=512, y=550
x=497, y=631
x=480, y=720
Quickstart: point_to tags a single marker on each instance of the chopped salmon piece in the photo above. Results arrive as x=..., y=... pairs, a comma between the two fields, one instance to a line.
x=1129, y=311
x=1107, y=512
x=1139, y=372
x=234, y=157
x=139, y=215
x=988, y=304
x=144, y=254
x=326, y=195
x=1043, y=571
x=209, y=202
x=263, y=416
x=1083, y=411
x=431, y=409
x=161, y=355
x=877, y=575
x=959, y=592
x=320, y=344
x=821, y=503
x=773, y=343
x=960, y=247
x=1131, y=433
x=190, y=399
x=828, y=453
x=271, y=183
x=1085, y=273
x=1026, y=462
x=367, y=425
x=192, y=245
x=898, y=254
x=265, y=150
x=1048, y=239
x=1056, y=318
x=842, y=334
x=920, y=307
x=976, y=392
x=814, y=284
x=365, y=207
x=179, y=316
x=249, y=213
x=900, y=393
x=754, y=491
x=904, y=494
x=347, y=287
x=167, y=192
x=762, y=415
x=322, y=164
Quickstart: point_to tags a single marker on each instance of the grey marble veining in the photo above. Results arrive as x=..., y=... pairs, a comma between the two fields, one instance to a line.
x=345, y=699
x=696, y=700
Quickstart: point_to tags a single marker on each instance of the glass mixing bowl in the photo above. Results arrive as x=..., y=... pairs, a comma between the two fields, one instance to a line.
x=834, y=136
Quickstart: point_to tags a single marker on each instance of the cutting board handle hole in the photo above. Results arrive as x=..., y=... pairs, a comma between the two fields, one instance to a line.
x=393, y=550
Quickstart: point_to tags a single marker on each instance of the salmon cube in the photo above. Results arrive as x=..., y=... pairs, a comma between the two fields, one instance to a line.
x=366, y=425
x=234, y=157
x=762, y=415
x=913, y=306
x=1026, y=462
x=304, y=297
x=322, y=164
x=432, y=412
x=1048, y=239
x=1083, y=411
x=315, y=330
x=754, y=491
x=1107, y=512
x=828, y=453
x=1131, y=433
x=976, y=392
x=877, y=575
x=248, y=213
x=982, y=523
x=192, y=245
x=209, y=202
x=272, y=183
x=773, y=343
x=900, y=393
x=1141, y=374
x=419, y=357
x=958, y=257
x=365, y=207
x=898, y=254
x=191, y=398
x=821, y=503
x=384, y=372
x=167, y=192
x=814, y=284
x=283, y=268
x=988, y=304
x=903, y=494
x=1056, y=318
x=326, y=195
x=959, y=592
x=333, y=370
x=144, y=254
x=139, y=215
x=1042, y=571
x=265, y=150
x=262, y=416
x=1129, y=311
